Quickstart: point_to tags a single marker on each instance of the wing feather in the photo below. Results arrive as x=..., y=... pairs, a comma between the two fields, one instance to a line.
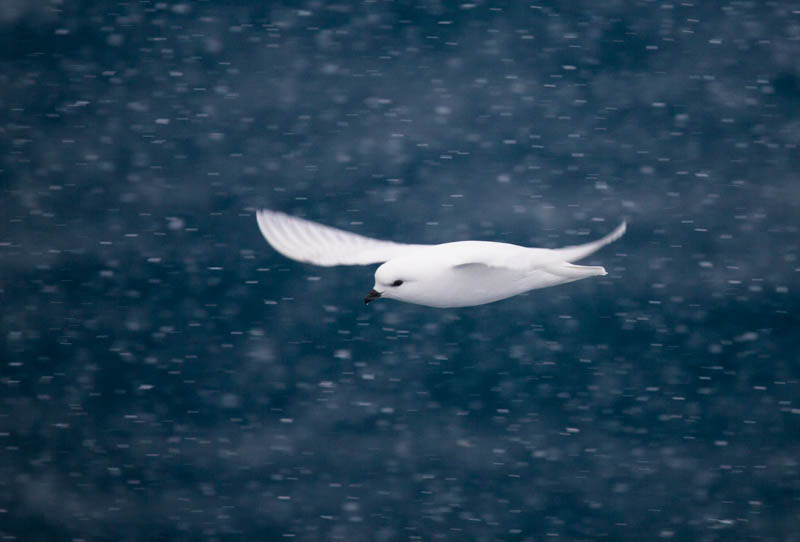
x=526, y=259
x=577, y=252
x=307, y=241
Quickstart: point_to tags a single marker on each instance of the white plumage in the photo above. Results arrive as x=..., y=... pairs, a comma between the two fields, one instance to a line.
x=458, y=274
x=309, y=242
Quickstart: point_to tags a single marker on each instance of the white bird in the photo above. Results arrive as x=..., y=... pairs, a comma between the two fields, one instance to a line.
x=458, y=274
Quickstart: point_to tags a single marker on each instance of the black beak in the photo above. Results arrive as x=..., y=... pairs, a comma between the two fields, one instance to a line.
x=370, y=296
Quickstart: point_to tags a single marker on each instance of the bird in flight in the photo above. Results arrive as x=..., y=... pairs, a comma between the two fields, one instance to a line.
x=457, y=274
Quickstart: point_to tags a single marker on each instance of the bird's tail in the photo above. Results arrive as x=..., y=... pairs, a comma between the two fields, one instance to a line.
x=576, y=272
x=577, y=252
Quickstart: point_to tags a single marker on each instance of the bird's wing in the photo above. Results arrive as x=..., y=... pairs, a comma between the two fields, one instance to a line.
x=577, y=252
x=309, y=242
x=523, y=259
x=503, y=256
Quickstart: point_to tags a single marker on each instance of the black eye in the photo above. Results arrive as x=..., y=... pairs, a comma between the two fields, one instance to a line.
x=397, y=283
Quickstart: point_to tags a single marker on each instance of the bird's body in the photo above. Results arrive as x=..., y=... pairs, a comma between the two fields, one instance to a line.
x=466, y=273
x=457, y=274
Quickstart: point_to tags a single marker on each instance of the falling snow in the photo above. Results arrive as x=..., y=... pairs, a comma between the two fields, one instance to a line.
x=166, y=375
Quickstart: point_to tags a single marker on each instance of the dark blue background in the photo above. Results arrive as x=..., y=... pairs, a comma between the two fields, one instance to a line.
x=166, y=375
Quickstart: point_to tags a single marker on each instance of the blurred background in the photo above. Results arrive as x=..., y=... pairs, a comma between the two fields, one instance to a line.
x=167, y=375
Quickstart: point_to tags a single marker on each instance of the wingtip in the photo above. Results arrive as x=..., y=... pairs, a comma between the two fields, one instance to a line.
x=261, y=214
x=619, y=231
x=264, y=216
x=273, y=229
x=261, y=219
x=268, y=223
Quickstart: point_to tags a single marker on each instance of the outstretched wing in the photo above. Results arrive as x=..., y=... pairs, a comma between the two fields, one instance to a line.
x=577, y=252
x=309, y=242
x=523, y=259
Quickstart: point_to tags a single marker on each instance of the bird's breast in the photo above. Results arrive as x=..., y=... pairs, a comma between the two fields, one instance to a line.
x=466, y=286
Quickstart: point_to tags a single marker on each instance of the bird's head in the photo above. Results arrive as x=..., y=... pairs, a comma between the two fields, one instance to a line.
x=401, y=279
